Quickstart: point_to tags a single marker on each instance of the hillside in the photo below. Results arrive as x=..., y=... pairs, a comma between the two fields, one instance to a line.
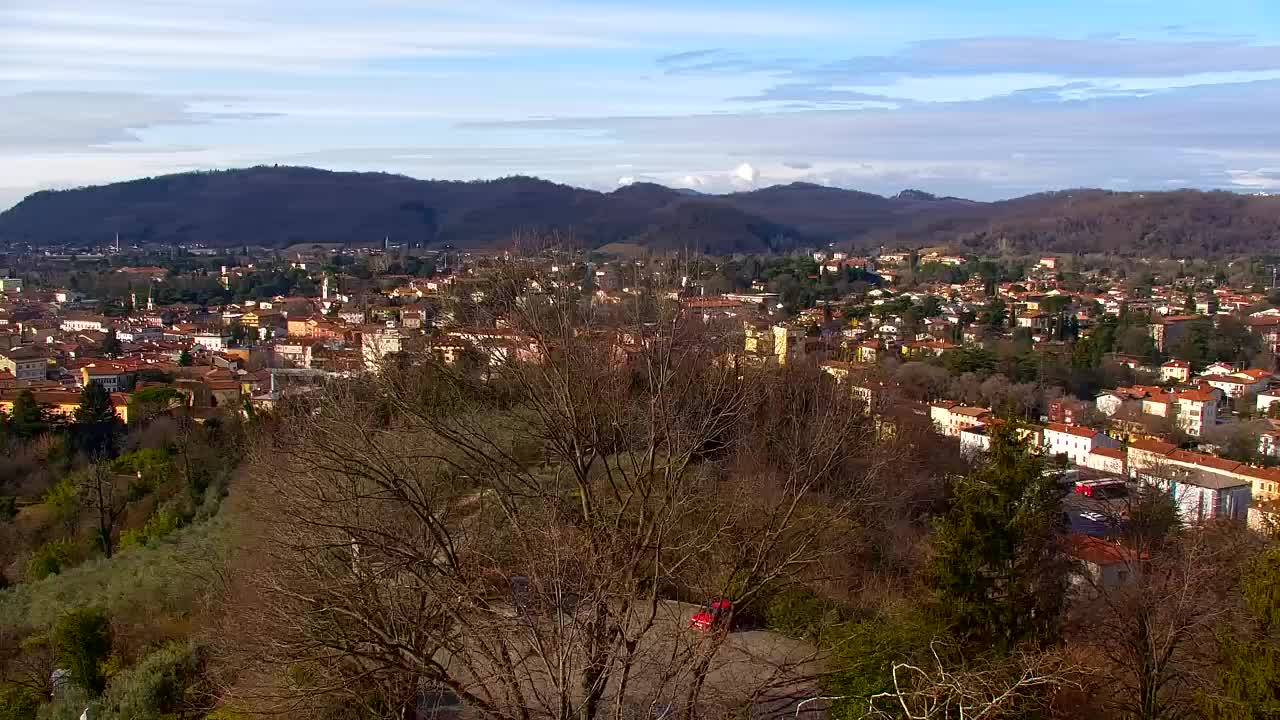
x=1182, y=223
x=280, y=206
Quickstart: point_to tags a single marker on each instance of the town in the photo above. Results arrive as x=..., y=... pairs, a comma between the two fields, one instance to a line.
x=1162, y=375
x=1128, y=384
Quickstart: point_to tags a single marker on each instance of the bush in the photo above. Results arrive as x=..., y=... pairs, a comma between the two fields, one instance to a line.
x=136, y=587
x=867, y=650
x=82, y=644
x=162, y=685
x=8, y=508
x=156, y=527
x=52, y=558
x=64, y=500
x=800, y=614
x=18, y=704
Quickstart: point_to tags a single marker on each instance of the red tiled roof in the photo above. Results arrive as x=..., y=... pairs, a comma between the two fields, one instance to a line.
x=1203, y=460
x=1261, y=473
x=1116, y=453
x=1153, y=446
x=1077, y=430
x=1099, y=552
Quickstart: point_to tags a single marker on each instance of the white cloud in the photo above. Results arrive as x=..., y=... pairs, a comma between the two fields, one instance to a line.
x=625, y=181
x=1260, y=179
x=747, y=174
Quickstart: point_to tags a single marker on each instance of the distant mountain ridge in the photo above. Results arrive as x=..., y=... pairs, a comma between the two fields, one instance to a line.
x=281, y=206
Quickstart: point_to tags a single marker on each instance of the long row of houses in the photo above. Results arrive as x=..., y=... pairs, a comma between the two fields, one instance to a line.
x=1206, y=487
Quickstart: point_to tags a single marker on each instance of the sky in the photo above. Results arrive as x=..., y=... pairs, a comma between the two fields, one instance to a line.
x=984, y=99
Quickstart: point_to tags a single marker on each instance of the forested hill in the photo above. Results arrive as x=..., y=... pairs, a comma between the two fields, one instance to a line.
x=280, y=206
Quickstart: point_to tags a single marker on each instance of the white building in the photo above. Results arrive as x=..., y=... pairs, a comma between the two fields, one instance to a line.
x=1265, y=399
x=83, y=323
x=1075, y=441
x=1203, y=486
x=1108, y=403
x=25, y=362
x=1176, y=371
x=378, y=343
x=950, y=418
x=1197, y=411
x=1238, y=384
x=213, y=342
x=1110, y=460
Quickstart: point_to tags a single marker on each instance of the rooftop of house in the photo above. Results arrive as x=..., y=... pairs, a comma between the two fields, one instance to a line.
x=1157, y=447
x=1077, y=430
x=1099, y=552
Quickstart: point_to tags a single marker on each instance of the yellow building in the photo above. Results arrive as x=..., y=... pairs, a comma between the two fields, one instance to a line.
x=63, y=403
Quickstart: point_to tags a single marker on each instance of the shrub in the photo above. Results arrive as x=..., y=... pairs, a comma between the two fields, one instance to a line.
x=18, y=704
x=64, y=500
x=161, y=685
x=156, y=527
x=82, y=644
x=800, y=613
x=867, y=650
x=52, y=558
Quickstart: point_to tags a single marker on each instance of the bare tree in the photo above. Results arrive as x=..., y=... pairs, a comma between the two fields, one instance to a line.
x=1151, y=616
x=1009, y=687
x=520, y=537
x=106, y=495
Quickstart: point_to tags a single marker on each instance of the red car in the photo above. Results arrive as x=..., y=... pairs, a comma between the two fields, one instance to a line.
x=708, y=615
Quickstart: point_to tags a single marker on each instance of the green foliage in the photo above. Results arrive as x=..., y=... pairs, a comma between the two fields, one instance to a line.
x=800, y=613
x=52, y=558
x=63, y=499
x=998, y=574
x=18, y=704
x=111, y=344
x=27, y=418
x=96, y=428
x=134, y=587
x=82, y=644
x=865, y=654
x=156, y=527
x=1249, y=663
x=8, y=508
x=184, y=358
x=162, y=686
x=148, y=402
x=152, y=467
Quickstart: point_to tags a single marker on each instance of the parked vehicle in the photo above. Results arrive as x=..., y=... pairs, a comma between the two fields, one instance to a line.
x=1104, y=488
x=712, y=614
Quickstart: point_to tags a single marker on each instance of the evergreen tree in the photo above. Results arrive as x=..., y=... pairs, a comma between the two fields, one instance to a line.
x=999, y=572
x=1249, y=667
x=111, y=344
x=184, y=358
x=27, y=419
x=96, y=425
x=82, y=642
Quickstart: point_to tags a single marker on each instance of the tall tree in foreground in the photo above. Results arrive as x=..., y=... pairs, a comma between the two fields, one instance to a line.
x=517, y=541
x=97, y=428
x=1000, y=570
x=1249, y=659
x=27, y=419
x=1149, y=620
x=106, y=495
x=82, y=643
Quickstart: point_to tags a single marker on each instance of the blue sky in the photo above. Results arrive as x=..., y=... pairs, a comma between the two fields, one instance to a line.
x=984, y=98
